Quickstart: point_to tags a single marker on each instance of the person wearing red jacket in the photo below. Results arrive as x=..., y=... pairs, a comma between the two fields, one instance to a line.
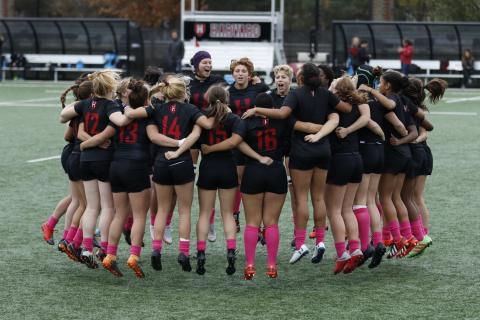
x=406, y=55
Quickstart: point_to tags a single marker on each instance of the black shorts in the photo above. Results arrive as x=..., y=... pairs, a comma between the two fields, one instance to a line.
x=129, y=175
x=91, y=170
x=73, y=167
x=238, y=157
x=217, y=174
x=429, y=162
x=373, y=157
x=67, y=150
x=173, y=173
x=419, y=159
x=345, y=168
x=395, y=161
x=259, y=178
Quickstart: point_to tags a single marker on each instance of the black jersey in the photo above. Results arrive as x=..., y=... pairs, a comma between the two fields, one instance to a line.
x=95, y=113
x=198, y=88
x=377, y=114
x=277, y=99
x=401, y=111
x=175, y=120
x=132, y=142
x=350, y=142
x=243, y=99
x=230, y=125
x=309, y=106
x=74, y=123
x=266, y=136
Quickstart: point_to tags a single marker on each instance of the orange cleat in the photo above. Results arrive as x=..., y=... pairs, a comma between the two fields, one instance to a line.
x=388, y=242
x=312, y=234
x=249, y=272
x=341, y=262
x=395, y=249
x=352, y=263
x=409, y=245
x=132, y=263
x=110, y=263
x=272, y=272
x=47, y=234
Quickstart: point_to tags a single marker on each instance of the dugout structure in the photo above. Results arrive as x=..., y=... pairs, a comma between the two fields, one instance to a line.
x=228, y=35
x=75, y=37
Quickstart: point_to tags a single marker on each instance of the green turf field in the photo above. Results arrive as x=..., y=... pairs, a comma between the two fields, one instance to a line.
x=38, y=282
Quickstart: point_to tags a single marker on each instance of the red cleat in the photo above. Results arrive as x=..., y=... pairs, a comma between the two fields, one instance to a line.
x=249, y=272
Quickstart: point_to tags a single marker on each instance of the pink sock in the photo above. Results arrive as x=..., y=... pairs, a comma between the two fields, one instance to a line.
x=231, y=244
x=135, y=250
x=405, y=229
x=380, y=209
x=201, y=245
x=104, y=245
x=340, y=248
x=250, y=239
x=363, y=219
x=169, y=218
x=78, y=239
x=272, y=237
x=300, y=235
x=71, y=234
x=319, y=235
x=238, y=201
x=353, y=245
x=394, y=227
x=184, y=246
x=65, y=233
x=377, y=238
x=417, y=229
x=88, y=244
x=152, y=218
x=112, y=249
x=212, y=216
x=52, y=222
x=386, y=235
x=156, y=245
x=128, y=224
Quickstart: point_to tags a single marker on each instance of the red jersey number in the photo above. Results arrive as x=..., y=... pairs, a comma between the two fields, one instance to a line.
x=129, y=133
x=267, y=139
x=172, y=130
x=91, y=123
x=216, y=136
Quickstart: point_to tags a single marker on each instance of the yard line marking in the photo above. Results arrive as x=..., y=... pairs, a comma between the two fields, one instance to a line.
x=43, y=159
x=15, y=102
x=454, y=113
x=463, y=99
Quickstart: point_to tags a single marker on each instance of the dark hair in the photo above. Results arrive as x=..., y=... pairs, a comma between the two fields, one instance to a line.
x=436, y=89
x=415, y=91
x=138, y=94
x=264, y=100
x=217, y=104
x=81, y=90
x=409, y=42
x=397, y=81
x=152, y=75
x=328, y=72
x=311, y=75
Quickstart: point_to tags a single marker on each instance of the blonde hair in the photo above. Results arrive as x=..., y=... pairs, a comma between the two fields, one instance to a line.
x=283, y=68
x=123, y=86
x=174, y=87
x=247, y=63
x=346, y=91
x=104, y=82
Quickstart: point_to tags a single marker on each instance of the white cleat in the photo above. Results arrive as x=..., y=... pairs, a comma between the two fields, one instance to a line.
x=318, y=252
x=212, y=234
x=299, y=254
x=152, y=231
x=167, y=235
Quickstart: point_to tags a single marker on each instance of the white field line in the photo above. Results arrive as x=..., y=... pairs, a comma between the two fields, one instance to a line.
x=476, y=98
x=43, y=159
x=34, y=105
x=17, y=102
x=453, y=113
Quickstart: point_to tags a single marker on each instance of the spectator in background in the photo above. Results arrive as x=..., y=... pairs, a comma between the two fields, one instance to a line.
x=468, y=65
x=363, y=54
x=176, y=51
x=406, y=56
x=353, y=59
x=2, y=40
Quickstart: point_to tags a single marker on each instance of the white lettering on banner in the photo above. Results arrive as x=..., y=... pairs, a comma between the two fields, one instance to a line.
x=235, y=30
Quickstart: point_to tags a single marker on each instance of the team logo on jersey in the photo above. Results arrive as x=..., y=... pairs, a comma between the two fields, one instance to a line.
x=173, y=108
x=200, y=29
x=94, y=104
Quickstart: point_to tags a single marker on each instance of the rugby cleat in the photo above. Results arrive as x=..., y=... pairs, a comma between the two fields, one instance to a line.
x=261, y=236
x=48, y=234
x=411, y=243
x=341, y=262
x=378, y=254
x=200, y=262
x=272, y=272
x=100, y=255
x=318, y=252
x=88, y=259
x=110, y=263
x=62, y=246
x=236, y=216
x=184, y=261
x=212, y=234
x=420, y=247
x=396, y=248
x=132, y=263
x=156, y=260
x=312, y=234
x=249, y=272
x=73, y=253
x=167, y=235
x=299, y=254
x=231, y=258
x=352, y=263
x=126, y=235
x=367, y=254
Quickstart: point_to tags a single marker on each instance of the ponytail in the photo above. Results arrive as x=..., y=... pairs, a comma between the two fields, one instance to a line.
x=436, y=89
x=218, y=108
x=63, y=97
